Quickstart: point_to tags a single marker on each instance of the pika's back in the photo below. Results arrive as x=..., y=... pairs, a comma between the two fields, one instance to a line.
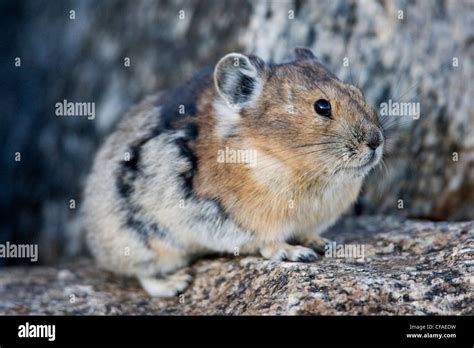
x=148, y=157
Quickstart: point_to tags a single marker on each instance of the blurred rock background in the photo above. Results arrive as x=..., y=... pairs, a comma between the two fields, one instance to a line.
x=80, y=56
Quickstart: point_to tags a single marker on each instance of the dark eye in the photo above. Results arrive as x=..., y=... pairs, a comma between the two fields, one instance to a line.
x=323, y=107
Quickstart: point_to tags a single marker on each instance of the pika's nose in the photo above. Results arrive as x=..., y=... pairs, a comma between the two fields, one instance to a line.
x=374, y=140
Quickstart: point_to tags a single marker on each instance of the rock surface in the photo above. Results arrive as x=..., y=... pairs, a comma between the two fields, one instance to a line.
x=409, y=267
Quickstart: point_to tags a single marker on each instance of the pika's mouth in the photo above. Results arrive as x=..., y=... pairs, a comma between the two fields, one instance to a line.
x=364, y=168
x=371, y=162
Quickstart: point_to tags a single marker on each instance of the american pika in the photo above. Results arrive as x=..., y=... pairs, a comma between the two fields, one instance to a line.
x=243, y=157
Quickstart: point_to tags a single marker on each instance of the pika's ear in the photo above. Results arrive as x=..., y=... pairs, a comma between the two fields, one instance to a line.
x=304, y=53
x=299, y=53
x=239, y=78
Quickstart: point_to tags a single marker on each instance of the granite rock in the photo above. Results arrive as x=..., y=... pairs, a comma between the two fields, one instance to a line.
x=408, y=267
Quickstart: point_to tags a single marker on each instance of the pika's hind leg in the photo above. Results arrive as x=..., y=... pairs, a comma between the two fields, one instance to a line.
x=166, y=286
x=171, y=278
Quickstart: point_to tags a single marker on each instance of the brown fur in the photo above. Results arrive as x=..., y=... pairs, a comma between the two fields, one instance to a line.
x=268, y=128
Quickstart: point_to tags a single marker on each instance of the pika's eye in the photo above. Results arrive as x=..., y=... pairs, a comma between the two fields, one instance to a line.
x=323, y=107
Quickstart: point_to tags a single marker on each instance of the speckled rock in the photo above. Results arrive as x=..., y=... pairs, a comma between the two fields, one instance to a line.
x=408, y=267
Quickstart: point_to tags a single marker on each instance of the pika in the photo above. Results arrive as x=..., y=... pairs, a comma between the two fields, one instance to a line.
x=174, y=181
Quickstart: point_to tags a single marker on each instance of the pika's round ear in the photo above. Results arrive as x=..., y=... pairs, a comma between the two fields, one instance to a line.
x=239, y=78
x=303, y=53
x=299, y=53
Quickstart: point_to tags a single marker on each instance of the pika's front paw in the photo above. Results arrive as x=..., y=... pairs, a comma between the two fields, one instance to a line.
x=283, y=251
x=316, y=243
x=169, y=286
